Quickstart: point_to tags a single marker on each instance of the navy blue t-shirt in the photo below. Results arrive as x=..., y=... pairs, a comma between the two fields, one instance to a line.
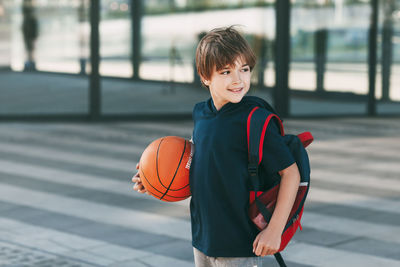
x=219, y=177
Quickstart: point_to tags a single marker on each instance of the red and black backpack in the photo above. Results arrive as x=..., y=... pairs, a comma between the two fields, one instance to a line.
x=262, y=203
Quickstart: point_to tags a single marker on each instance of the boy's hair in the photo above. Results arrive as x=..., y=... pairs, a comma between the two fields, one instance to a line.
x=221, y=47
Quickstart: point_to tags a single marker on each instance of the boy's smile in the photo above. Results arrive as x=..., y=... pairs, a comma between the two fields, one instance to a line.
x=229, y=84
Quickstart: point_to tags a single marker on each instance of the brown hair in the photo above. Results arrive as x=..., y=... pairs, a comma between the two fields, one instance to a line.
x=221, y=47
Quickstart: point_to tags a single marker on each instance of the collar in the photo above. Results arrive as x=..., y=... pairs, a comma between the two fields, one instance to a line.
x=228, y=106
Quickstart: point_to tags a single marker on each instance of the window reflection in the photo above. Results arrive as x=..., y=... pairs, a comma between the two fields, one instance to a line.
x=5, y=33
x=62, y=34
x=388, y=83
x=330, y=46
x=171, y=31
x=115, y=38
x=329, y=41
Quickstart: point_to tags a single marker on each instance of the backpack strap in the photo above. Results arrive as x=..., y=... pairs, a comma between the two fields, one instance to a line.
x=279, y=259
x=255, y=141
x=306, y=138
x=258, y=133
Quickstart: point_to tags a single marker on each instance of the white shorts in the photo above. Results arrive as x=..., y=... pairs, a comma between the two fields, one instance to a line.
x=202, y=260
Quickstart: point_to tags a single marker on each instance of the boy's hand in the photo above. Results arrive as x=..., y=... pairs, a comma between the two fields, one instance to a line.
x=267, y=242
x=138, y=183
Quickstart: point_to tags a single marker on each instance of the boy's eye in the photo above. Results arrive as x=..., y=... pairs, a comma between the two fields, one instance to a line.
x=246, y=69
x=226, y=72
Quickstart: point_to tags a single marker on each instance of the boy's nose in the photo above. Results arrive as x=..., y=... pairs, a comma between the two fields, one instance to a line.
x=236, y=77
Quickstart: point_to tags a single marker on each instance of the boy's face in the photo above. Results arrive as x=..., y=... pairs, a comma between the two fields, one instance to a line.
x=229, y=84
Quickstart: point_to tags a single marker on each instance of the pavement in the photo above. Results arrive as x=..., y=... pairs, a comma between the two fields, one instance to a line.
x=66, y=198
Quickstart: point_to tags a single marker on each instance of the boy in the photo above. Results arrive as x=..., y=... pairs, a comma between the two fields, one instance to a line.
x=222, y=233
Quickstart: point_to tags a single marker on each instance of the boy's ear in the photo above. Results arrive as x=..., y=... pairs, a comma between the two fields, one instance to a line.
x=204, y=81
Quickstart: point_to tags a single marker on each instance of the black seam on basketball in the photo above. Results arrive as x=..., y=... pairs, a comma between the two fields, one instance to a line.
x=183, y=187
x=144, y=176
x=169, y=196
x=176, y=171
x=158, y=175
x=150, y=183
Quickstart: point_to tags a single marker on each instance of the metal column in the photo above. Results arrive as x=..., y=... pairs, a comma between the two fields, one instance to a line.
x=372, y=57
x=95, y=90
x=136, y=18
x=320, y=56
x=282, y=57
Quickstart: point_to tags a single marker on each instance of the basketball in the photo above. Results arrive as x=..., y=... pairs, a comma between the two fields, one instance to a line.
x=164, y=168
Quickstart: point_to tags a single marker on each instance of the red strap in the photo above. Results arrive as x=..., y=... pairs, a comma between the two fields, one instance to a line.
x=306, y=138
x=267, y=120
x=253, y=195
x=260, y=151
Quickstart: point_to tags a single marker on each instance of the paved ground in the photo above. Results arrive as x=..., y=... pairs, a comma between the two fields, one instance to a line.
x=66, y=197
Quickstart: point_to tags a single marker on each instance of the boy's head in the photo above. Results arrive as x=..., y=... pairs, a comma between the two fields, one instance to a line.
x=224, y=61
x=219, y=48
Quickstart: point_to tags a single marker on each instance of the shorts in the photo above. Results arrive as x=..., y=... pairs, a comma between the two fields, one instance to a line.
x=202, y=260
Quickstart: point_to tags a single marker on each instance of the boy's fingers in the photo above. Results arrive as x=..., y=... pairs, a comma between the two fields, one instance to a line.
x=259, y=250
x=264, y=252
x=138, y=186
x=270, y=251
x=255, y=243
x=144, y=191
x=136, y=179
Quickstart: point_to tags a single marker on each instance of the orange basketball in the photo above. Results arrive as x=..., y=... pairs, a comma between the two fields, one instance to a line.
x=164, y=168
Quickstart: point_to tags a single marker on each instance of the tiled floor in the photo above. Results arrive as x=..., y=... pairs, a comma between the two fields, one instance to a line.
x=66, y=198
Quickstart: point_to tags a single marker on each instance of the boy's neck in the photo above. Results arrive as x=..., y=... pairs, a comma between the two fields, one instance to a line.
x=218, y=106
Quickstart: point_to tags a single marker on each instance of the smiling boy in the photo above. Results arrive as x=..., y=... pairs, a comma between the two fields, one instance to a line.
x=222, y=233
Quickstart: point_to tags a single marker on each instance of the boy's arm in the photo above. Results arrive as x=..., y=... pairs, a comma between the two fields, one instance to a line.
x=268, y=241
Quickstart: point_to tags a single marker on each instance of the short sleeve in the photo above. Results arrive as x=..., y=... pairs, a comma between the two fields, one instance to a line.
x=276, y=154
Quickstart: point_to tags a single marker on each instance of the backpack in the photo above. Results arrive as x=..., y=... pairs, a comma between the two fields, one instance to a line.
x=262, y=203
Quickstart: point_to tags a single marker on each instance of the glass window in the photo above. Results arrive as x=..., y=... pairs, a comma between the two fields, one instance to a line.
x=44, y=35
x=5, y=33
x=330, y=56
x=395, y=71
x=172, y=29
x=170, y=32
x=169, y=39
x=388, y=78
x=52, y=35
x=115, y=38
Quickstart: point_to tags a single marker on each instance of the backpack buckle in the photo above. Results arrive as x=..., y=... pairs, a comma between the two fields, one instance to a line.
x=253, y=169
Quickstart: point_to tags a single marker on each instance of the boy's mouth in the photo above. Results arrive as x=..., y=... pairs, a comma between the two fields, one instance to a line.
x=236, y=90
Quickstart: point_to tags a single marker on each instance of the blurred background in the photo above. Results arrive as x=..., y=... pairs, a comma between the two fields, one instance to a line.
x=331, y=67
x=328, y=57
